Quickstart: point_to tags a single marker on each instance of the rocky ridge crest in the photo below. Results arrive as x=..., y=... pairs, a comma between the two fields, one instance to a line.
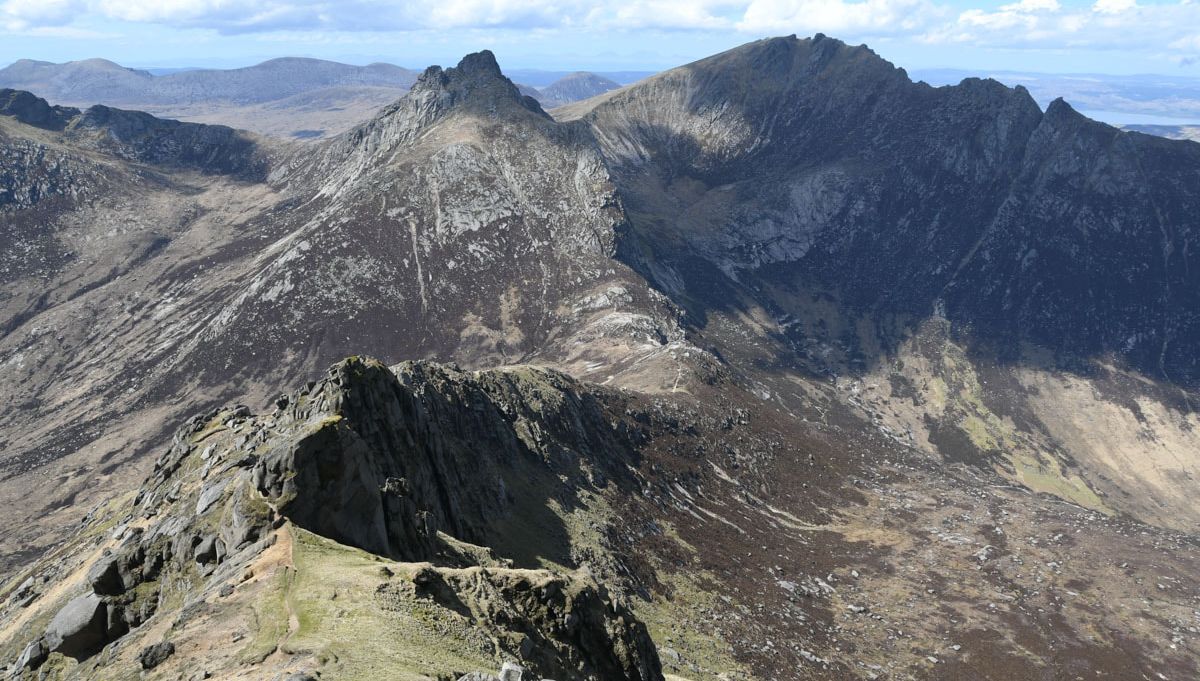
x=413, y=466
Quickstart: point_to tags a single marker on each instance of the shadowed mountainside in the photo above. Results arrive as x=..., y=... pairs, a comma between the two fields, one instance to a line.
x=886, y=380
x=833, y=172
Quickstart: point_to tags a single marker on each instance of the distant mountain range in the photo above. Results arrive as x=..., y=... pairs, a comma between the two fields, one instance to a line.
x=575, y=87
x=541, y=79
x=306, y=99
x=288, y=97
x=1174, y=132
x=773, y=366
x=98, y=81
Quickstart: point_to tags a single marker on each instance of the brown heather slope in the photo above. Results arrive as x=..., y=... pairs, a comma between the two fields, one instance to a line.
x=751, y=542
x=844, y=423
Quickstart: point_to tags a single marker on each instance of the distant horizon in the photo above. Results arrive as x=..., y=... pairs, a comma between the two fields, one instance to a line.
x=1107, y=37
x=1156, y=99
x=226, y=65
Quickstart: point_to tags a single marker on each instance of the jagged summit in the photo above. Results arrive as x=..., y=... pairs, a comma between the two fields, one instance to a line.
x=139, y=136
x=475, y=88
x=477, y=81
x=784, y=67
x=33, y=110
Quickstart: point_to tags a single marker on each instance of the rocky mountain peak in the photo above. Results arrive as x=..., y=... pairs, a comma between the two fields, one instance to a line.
x=476, y=81
x=1059, y=112
x=141, y=137
x=482, y=63
x=33, y=110
x=474, y=88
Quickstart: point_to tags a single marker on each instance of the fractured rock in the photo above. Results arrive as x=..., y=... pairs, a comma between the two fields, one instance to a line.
x=33, y=656
x=154, y=655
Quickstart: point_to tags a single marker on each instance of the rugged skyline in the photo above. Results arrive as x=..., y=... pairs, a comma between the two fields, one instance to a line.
x=1107, y=36
x=311, y=99
x=774, y=365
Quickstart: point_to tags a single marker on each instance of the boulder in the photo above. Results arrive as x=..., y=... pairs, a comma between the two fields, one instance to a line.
x=211, y=494
x=206, y=551
x=154, y=655
x=105, y=576
x=79, y=629
x=33, y=656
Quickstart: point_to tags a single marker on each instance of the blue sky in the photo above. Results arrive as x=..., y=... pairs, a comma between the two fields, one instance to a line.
x=1101, y=36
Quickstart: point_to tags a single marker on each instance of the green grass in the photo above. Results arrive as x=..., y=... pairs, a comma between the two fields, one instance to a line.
x=991, y=433
x=271, y=619
x=678, y=623
x=345, y=622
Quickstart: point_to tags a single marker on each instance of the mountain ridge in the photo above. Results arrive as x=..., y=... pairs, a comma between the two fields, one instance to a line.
x=726, y=145
x=75, y=82
x=816, y=376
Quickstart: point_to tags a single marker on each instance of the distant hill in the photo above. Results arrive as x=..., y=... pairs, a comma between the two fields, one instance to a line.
x=291, y=97
x=543, y=79
x=98, y=81
x=575, y=87
x=288, y=97
x=91, y=81
x=1174, y=132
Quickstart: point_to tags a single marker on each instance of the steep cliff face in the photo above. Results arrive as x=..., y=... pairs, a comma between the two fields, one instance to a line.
x=403, y=456
x=810, y=165
x=413, y=466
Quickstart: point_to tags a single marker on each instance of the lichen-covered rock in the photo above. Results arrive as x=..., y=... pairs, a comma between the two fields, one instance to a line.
x=80, y=628
x=33, y=655
x=153, y=655
x=558, y=626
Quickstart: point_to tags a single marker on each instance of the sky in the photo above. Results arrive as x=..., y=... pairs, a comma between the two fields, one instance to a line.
x=1059, y=36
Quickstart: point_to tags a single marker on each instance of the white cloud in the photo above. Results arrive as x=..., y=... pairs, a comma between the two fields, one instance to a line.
x=1105, y=25
x=1027, y=16
x=1168, y=27
x=21, y=14
x=668, y=14
x=1189, y=43
x=1114, y=6
x=839, y=17
x=1032, y=6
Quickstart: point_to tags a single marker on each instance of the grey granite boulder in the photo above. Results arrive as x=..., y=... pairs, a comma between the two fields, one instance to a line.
x=78, y=630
